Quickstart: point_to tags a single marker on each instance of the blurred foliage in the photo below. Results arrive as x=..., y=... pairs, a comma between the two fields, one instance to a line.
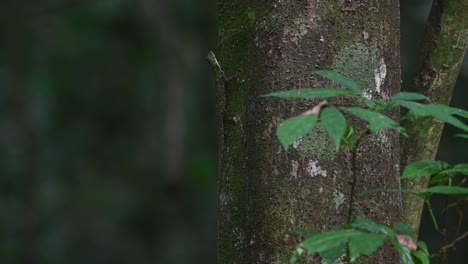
x=84, y=101
x=93, y=167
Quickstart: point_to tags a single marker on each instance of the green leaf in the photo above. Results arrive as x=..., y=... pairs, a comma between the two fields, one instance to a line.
x=327, y=240
x=461, y=166
x=454, y=171
x=330, y=256
x=405, y=253
x=441, y=112
x=328, y=244
x=460, y=169
x=423, y=258
x=462, y=136
x=422, y=247
x=451, y=190
x=452, y=110
x=423, y=168
x=415, y=109
x=376, y=121
x=437, y=179
x=408, y=96
x=382, y=105
x=309, y=93
x=404, y=229
x=341, y=79
x=364, y=244
x=366, y=224
x=295, y=127
x=334, y=123
x=367, y=102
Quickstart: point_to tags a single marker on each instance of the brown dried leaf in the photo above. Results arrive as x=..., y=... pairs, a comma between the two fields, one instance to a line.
x=407, y=242
x=316, y=109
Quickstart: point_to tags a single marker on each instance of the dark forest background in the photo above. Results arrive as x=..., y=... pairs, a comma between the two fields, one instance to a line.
x=107, y=130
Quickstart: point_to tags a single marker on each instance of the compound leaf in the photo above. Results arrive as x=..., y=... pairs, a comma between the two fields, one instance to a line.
x=341, y=79
x=423, y=168
x=334, y=123
x=376, y=121
x=409, y=96
x=405, y=253
x=441, y=112
x=295, y=127
x=364, y=244
x=423, y=258
x=330, y=245
x=366, y=224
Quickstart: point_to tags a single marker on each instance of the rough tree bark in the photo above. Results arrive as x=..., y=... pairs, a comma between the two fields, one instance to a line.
x=266, y=192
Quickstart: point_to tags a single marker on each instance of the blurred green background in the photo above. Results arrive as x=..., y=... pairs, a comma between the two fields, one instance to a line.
x=107, y=131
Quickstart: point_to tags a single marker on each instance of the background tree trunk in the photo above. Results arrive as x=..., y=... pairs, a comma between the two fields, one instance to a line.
x=266, y=192
x=441, y=56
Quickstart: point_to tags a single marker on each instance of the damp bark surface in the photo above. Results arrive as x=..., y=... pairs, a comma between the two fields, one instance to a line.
x=265, y=192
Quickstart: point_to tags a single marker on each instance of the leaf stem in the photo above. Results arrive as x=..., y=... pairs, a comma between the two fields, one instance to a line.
x=432, y=215
x=354, y=172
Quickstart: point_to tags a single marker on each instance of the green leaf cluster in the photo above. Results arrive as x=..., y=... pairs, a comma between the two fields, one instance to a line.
x=361, y=238
x=441, y=173
x=369, y=110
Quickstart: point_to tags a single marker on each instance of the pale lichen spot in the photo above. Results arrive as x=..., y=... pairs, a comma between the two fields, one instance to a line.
x=314, y=169
x=280, y=149
x=365, y=35
x=382, y=136
x=239, y=238
x=297, y=142
x=379, y=74
x=224, y=199
x=312, y=13
x=294, y=169
x=367, y=94
x=339, y=199
x=338, y=261
x=296, y=30
x=360, y=62
x=317, y=144
x=275, y=171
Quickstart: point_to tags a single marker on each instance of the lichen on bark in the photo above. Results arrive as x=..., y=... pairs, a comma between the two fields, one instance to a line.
x=317, y=144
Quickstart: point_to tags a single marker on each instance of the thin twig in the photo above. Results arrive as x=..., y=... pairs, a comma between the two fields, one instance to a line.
x=354, y=173
x=455, y=241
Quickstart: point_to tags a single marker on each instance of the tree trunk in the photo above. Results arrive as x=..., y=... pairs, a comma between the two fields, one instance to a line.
x=266, y=193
